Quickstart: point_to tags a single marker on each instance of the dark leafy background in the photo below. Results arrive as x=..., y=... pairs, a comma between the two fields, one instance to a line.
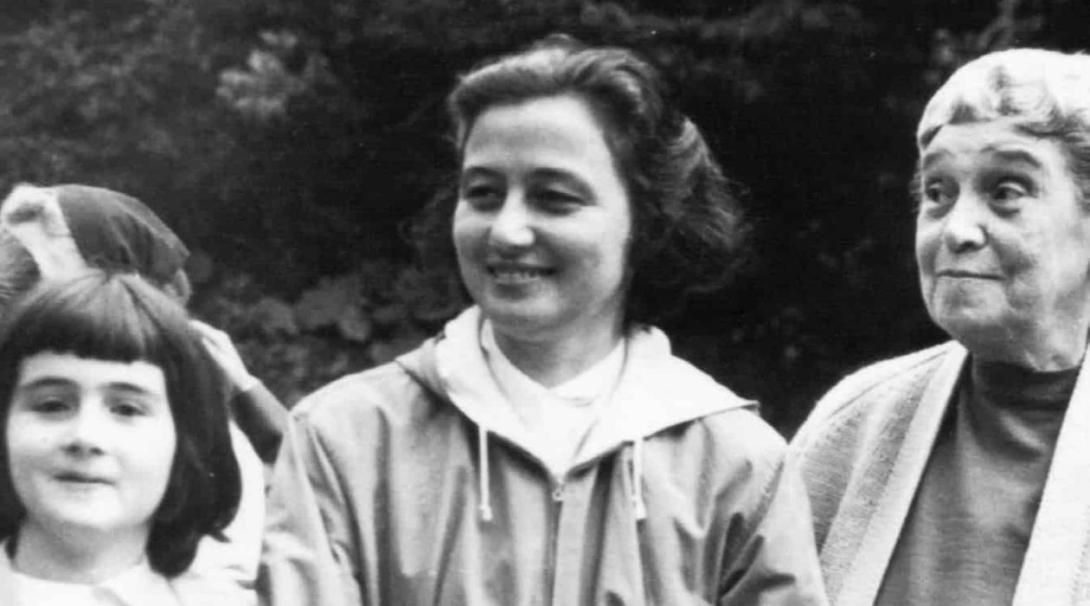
x=288, y=140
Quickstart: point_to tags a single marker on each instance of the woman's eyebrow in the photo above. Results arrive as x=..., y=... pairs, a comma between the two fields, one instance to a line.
x=565, y=176
x=476, y=172
x=1015, y=155
x=931, y=158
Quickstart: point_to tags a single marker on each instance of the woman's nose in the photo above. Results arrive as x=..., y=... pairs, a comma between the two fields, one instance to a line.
x=965, y=227
x=87, y=431
x=512, y=225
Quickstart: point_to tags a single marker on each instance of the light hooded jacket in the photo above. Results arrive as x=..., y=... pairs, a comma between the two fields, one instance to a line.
x=415, y=483
x=863, y=452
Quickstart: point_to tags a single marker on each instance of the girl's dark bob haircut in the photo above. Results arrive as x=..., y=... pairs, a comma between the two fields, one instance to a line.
x=122, y=318
x=688, y=232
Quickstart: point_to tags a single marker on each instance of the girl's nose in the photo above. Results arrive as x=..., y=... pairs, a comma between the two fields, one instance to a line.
x=87, y=431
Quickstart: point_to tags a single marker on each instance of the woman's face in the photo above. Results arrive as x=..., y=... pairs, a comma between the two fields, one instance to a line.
x=543, y=221
x=1003, y=244
x=90, y=444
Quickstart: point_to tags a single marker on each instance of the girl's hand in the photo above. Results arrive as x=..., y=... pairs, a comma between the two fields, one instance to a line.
x=221, y=348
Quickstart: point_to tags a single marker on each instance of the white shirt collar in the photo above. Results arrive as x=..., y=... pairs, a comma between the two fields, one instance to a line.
x=583, y=389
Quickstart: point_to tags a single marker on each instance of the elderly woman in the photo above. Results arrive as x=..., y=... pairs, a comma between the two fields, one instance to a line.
x=546, y=447
x=959, y=474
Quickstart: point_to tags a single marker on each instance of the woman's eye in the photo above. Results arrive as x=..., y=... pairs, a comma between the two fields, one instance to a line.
x=482, y=196
x=558, y=200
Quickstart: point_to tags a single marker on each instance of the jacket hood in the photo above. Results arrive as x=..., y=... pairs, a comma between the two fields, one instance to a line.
x=452, y=364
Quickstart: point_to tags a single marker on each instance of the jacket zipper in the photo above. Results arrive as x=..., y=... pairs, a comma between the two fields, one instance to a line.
x=557, y=498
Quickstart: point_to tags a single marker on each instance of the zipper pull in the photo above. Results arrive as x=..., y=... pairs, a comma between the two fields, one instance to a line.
x=558, y=492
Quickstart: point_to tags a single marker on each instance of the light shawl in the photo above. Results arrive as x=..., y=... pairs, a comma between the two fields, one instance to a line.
x=863, y=452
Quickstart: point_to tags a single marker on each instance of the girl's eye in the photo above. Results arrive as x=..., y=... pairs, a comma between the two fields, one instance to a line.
x=127, y=409
x=49, y=406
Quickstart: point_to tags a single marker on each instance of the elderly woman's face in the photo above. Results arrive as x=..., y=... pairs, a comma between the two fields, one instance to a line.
x=543, y=220
x=1003, y=244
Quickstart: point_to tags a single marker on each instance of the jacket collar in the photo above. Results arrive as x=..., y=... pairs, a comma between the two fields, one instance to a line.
x=138, y=585
x=656, y=390
x=863, y=536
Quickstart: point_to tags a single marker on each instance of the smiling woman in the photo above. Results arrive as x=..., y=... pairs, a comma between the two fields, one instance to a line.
x=546, y=447
x=115, y=458
x=542, y=229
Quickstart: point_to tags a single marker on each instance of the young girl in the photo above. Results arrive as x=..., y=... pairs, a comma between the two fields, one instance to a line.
x=115, y=457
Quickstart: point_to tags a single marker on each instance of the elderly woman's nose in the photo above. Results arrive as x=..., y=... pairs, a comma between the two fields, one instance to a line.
x=512, y=225
x=965, y=226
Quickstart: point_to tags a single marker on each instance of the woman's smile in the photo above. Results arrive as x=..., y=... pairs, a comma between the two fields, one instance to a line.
x=518, y=274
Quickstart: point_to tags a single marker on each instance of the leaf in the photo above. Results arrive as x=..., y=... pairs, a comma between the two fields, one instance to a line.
x=354, y=324
x=324, y=304
x=275, y=316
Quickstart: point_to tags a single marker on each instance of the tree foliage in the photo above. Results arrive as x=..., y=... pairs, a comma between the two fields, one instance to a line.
x=289, y=140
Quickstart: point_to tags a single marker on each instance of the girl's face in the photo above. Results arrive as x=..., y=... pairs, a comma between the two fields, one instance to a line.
x=543, y=220
x=90, y=444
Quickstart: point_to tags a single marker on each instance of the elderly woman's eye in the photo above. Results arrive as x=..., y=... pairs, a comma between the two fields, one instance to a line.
x=936, y=192
x=1009, y=190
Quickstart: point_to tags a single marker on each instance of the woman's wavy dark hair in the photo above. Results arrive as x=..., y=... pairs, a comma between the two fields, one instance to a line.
x=120, y=317
x=688, y=231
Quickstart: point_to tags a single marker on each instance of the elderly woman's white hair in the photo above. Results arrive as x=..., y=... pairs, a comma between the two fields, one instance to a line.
x=1044, y=93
